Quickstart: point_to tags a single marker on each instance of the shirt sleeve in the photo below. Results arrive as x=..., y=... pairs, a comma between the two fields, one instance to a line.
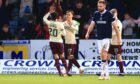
x=45, y=18
x=93, y=17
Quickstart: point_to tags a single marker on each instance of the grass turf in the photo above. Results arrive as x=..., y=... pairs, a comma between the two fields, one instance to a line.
x=75, y=79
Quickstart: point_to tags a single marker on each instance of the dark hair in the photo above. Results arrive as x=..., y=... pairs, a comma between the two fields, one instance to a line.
x=6, y=25
x=103, y=2
x=70, y=11
x=54, y=16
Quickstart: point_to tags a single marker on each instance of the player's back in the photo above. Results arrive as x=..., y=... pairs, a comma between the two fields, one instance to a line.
x=56, y=31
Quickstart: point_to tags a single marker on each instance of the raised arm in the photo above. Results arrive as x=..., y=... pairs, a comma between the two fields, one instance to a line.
x=51, y=10
x=45, y=18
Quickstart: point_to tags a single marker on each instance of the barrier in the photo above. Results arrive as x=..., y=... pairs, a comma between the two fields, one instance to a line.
x=47, y=67
x=15, y=49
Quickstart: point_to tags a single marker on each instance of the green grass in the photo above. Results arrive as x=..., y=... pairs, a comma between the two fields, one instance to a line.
x=75, y=79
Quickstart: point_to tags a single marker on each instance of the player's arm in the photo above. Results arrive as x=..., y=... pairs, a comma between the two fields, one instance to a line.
x=115, y=26
x=45, y=18
x=90, y=28
x=76, y=26
x=63, y=32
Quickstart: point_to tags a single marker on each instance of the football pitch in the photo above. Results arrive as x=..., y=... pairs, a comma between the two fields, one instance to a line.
x=75, y=79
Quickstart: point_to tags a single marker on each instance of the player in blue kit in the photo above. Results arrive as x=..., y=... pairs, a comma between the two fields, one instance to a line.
x=103, y=20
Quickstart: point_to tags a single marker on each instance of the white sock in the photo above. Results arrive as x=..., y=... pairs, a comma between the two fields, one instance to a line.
x=102, y=68
x=80, y=69
x=106, y=69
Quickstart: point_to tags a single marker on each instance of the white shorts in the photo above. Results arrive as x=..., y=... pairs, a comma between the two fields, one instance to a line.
x=103, y=44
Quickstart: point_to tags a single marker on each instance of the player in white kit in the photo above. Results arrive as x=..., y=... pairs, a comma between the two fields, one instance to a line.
x=56, y=31
x=115, y=47
x=71, y=26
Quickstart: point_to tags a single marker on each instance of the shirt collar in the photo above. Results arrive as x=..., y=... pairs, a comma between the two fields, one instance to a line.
x=103, y=12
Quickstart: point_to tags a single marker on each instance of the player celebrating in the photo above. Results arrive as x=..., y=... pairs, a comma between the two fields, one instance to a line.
x=56, y=30
x=71, y=27
x=115, y=47
x=103, y=20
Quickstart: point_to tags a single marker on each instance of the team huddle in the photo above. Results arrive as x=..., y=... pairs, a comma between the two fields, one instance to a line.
x=109, y=30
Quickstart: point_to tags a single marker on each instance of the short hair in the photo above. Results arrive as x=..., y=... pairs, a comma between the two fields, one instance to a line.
x=103, y=2
x=70, y=11
x=114, y=10
x=5, y=26
x=53, y=16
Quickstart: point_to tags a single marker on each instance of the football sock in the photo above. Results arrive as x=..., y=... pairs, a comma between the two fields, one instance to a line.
x=70, y=64
x=103, y=67
x=65, y=64
x=121, y=67
x=57, y=65
x=75, y=62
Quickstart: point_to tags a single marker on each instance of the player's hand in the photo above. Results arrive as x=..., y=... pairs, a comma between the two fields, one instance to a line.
x=119, y=41
x=52, y=9
x=87, y=36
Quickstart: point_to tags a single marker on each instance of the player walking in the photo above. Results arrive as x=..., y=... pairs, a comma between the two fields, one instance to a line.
x=115, y=47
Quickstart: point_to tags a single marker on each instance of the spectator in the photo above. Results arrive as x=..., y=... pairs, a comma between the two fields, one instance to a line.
x=42, y=6
x=138, y=21
x=24, y=4
x=128, y=25
x=42, y=31
x=133, y=7
x=82, y=15
x=67, y=4
x=12, y=5
x=138, y=29
x=26, y=24
x=3, y=14
x=5, y=34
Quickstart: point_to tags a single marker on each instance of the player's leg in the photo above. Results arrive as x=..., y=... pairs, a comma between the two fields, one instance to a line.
x=110, y=52
x=64, y=63
x=75, y=62
x=106, y=48
x=105, y=64
x=55, y=52
x=57, y=64
x=108, y=58
x=120, y=62
x=100, y=51
x=119, y=58
x=104, y=56
x=72, y=60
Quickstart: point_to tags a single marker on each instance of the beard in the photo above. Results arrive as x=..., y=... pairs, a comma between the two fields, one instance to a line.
x=101, y=10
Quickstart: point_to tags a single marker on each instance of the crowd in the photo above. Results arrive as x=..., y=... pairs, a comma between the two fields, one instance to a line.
x=23, y=19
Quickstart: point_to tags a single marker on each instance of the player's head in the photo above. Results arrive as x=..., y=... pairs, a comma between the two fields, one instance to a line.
x=127, y=16
x=5, y=28
x=69, y=14
x=53, y=16
x=101, y=5
x=114, y=12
